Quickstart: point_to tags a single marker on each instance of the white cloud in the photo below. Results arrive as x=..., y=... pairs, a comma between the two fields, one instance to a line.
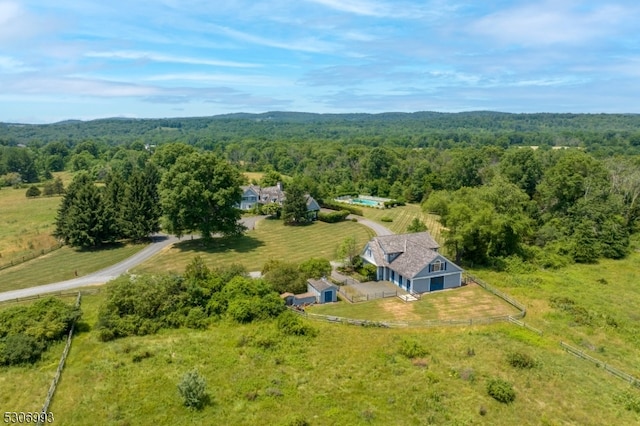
x=550, y=22
x=11, y=65
x=311, y=45
x=245, y=80
x=158, y=57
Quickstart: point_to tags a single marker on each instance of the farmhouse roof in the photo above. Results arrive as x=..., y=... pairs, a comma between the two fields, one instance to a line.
x=409, y=253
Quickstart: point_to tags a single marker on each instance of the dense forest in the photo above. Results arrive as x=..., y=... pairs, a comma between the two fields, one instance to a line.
x=509, y=188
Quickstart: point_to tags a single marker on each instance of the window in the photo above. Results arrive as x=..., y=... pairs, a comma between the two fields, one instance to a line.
x=437, y=266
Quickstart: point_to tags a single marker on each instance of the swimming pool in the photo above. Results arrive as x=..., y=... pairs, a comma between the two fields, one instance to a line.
x=364, y=202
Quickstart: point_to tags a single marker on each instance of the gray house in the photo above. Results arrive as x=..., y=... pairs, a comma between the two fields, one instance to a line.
x=412, y=262
x=254, y=194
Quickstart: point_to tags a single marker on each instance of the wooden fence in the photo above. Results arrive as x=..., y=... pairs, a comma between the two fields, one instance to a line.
x=359, y=297
x=510, y=300
x=598, y=363
x=63, y=358
x=55, y=294
x=405, y=324
x=30, y=256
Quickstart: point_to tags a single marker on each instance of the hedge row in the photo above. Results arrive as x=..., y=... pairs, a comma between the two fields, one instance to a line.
x=342, y=206
x=393, y=203
x=333, y=217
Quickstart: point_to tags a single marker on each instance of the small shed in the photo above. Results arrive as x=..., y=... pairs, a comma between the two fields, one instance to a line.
x=323, y=290
x=304, y=299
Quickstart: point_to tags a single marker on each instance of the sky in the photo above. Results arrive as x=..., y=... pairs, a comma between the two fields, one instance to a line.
x=88, y=59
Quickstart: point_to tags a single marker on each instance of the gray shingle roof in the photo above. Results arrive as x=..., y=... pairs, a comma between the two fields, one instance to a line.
x=320, y=285
x=413, y=252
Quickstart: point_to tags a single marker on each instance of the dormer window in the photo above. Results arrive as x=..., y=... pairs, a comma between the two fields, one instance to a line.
x=437, y=266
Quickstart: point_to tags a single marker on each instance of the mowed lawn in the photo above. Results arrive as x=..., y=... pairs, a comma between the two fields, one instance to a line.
x=62, y=265
x=269, y=240
x=402, y=217
x=467, y=302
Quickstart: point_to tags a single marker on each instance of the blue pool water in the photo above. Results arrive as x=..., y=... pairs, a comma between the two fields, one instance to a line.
x=369, y=203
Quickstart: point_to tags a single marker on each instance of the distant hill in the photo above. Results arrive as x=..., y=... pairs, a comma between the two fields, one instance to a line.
x=279, y=125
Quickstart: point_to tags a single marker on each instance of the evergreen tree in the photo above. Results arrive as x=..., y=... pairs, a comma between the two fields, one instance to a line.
x=294, y=206
x=139, y=210
x=114, y=193
x=82, y=219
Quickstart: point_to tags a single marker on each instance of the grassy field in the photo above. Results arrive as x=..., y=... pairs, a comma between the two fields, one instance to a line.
x=402, y=217
x=270, y=240
x=470, y=301
x=604, y=317
x=346, y=375
x=26, y=224
x=61, y=265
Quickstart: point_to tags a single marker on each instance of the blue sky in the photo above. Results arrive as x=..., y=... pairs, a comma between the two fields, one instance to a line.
x=86, y=59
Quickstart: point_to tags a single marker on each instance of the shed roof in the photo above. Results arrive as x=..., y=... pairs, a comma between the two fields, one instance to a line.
x=321, y=284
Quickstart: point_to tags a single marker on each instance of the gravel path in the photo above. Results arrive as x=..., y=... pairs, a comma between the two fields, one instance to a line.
x=158, y=244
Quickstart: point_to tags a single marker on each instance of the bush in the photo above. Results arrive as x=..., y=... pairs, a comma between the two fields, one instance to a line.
x=193, y=389
x=196, y=318
x=520, y=360
x=20, y=349
x=342, y=206
x=393, y=203
x=291, y=324
x=370, y=272
x=333, y=217
x=410, y=348
x=386, y=219
x=501, y=391
x=33, y=192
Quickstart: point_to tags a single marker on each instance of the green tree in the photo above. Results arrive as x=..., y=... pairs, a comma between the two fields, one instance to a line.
x=284, y=276
x=270, y=178
x=315, y=268
x=200, y=192
x=294, y=206
x=83, y=220
x=522, y=167
x=348, y=251
x=140, y=207
x=416, y=225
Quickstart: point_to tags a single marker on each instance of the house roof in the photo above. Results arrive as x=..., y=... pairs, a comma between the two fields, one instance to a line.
x=270, y=194
x=413, y=252
x=320, y=285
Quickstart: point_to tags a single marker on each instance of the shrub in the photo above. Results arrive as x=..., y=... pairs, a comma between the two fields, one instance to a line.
x=291, y=324
x=501, y=391
x=520, y=360
x=386, y=219
x=20, y=349
x=369, y=271
x=193, y=389
x=342, y=206
x=630, y=400
x=33, y=191
x=196, y=318
x=410, y=348
x=416, y=225
x=333, y=217
x=393, y=203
